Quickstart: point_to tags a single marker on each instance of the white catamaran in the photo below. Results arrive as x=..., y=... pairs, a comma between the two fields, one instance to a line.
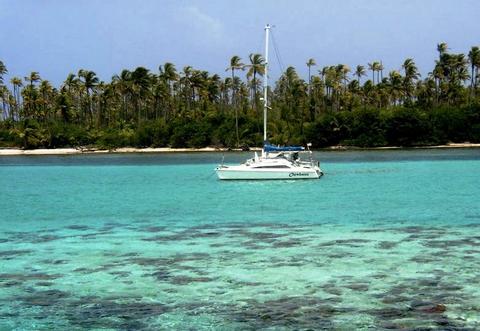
x=275, y=162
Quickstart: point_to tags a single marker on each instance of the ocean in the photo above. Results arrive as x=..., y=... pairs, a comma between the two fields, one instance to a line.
x=385, y=240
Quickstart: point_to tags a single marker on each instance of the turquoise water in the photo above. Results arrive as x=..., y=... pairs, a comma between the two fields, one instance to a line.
x=385, y=240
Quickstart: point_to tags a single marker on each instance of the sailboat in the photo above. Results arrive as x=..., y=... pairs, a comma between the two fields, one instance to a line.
x=275, y=162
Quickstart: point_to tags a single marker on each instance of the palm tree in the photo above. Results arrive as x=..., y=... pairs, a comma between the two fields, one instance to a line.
x=90, y=80
x=442, y=48
x=33, y=78
x=121, y=87
x=168, y=73
x=168, y=76
x=235, y=64
x=47, y=93
x=291, y=92
x=411, y=75
x=3, y=89
x=474, y=59
x=452, y=71
x=30, y=94
x=186, y=82
x=225, y=88
x=344, y=70
x=3, y=71
x=141, y=81
x=375, y=67
x=70, y=82
x=256, y=67
x=333, y=82
x=16, y=83
x=71, y=89
x=4, y=96
x=199, y=89
x=395, y=86
x=359, y=72
x=310, y=63
x=460, y=76
x=380, y=71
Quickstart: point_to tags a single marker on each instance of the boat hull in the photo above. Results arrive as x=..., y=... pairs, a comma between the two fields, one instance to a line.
x=231, y=173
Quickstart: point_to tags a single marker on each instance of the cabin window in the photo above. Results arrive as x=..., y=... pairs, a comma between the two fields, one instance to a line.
x=274, y=167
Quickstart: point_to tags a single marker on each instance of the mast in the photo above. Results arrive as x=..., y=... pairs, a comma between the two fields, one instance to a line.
x=265, y=85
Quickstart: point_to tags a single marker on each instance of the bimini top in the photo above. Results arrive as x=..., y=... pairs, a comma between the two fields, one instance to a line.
x=271, y=148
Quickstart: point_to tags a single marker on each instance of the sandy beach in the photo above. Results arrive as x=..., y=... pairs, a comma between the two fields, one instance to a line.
x=69, y=151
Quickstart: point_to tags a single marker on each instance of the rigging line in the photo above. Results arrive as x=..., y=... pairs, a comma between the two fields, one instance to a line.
x=277, y=54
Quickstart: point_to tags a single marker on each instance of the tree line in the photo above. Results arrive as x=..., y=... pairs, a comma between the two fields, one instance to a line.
x=364, y=106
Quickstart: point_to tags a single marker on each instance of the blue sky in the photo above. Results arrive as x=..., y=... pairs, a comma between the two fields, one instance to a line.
x=56, y=37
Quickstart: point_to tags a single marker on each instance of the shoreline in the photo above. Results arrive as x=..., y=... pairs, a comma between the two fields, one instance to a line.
x=77, y=151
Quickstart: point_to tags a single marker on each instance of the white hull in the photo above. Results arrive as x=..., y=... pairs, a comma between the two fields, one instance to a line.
x=239, y=172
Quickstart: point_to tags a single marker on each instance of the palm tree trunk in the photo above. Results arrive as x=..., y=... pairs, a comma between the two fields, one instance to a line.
x=309, y=81
x=475, y=81
x=15, y=109
x=234, y=103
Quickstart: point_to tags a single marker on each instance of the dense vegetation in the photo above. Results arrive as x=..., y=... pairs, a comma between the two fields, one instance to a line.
x=335, y=105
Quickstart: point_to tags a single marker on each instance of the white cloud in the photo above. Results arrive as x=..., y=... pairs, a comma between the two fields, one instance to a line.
x=203, y=22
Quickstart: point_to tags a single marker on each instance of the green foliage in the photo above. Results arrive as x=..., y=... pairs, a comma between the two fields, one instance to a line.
x=367, y=128
x=114, y=138
x=194, y=108
x=450, y=124
x=33, y=135
x=191, y=134
x=223, y=134
x=327, y=130
x=407, y=127
x=473, y=121
x=68, y=135
x=152, y=134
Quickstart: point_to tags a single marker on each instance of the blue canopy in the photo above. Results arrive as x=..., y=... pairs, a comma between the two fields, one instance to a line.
x=271, y=148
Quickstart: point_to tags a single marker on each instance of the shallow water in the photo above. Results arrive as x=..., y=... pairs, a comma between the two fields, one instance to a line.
x=386, y=239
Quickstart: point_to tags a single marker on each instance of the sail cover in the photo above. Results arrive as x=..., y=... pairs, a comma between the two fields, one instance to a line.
x=272, y=148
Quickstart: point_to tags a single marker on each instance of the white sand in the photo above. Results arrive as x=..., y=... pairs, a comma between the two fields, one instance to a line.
x=66, y=151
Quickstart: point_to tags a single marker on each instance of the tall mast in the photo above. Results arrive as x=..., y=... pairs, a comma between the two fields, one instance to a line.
x=265, y=85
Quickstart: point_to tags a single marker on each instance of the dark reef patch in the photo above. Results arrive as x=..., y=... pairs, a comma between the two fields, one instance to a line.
x=291, y=312
x=354, y=242
x=27, y=277
x=10, y=283
x=186, y=280
x=422, y=259
x=54, y=262
x=358, y=287
x=287, y=243
x=387, y=244
x=78, y=227
x=44, y=284
x=44, y=298
x=8, y=255
x=45, y=238
x=154, y=228
x=446, y=244
x=103, y=313
x=339, y=255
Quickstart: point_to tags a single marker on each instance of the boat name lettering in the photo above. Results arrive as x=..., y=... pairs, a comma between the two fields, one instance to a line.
x=298, y=174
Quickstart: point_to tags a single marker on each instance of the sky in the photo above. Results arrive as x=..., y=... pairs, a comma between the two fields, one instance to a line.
x=56, y=37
